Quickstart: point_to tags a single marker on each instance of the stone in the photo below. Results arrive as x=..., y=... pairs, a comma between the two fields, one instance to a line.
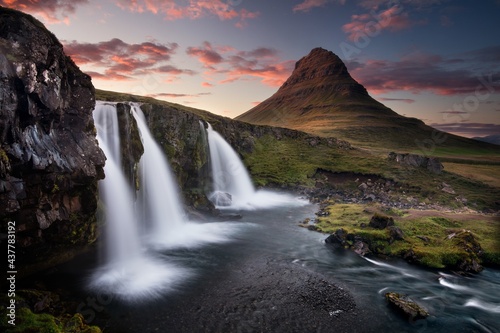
x=396, y=234
x=337, y=238
x=406, y=306
x=221, y=199
x=432, y=164
x=361, y=248
x=379, y=221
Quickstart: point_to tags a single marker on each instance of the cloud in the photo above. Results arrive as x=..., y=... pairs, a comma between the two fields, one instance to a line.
x=420, y=72
x=307, y=5
x=227, y=64
x=392, y=19
x=175, y=95
x=118, y=60
x=469, y=129
x=405, y=100
x=191, y=9
x=205, y=54
x=49, y=11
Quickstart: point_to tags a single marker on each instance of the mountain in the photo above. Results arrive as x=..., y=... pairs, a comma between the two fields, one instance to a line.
x=320, y=97
x=495, y=139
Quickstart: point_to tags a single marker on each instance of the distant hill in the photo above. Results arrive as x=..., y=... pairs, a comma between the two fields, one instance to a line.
x=495, y=139
x=320, y=97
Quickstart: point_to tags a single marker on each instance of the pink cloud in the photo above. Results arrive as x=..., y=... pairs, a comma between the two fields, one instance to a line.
x=118, y=60
x=233, y=65
x=392, y=19
x=205, y=54
x=418, y=73
x=49, y=11
x=192, y=9
x=307, y=5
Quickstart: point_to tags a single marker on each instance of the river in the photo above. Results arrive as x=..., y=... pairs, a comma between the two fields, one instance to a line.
x=250, y=280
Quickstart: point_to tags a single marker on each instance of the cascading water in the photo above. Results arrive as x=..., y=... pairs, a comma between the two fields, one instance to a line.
x=122, y=238
x=229, y=175
x=128, y=271
x=159, y=198
x=232, y=186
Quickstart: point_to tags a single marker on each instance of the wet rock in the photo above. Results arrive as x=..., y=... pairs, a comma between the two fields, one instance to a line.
x=379, y=221
x=221, y=199
x=361, y=248
x=406, y=306
x=339, y=237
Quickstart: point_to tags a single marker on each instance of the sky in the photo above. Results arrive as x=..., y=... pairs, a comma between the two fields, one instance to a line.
x=436, y=60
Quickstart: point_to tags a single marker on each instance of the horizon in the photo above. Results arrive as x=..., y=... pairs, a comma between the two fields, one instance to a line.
x=226, y=56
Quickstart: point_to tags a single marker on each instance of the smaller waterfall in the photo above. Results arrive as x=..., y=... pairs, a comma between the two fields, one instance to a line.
x=229, y=175
x=232, y=186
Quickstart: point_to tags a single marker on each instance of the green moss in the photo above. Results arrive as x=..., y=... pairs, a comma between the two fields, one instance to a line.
x=426, y=237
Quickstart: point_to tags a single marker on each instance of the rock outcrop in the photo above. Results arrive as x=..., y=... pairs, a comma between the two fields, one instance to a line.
x=49, y=158
x=417, y=161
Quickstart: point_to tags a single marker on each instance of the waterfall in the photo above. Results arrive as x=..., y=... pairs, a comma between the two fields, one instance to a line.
x=229, y=175
x=128, y=271
x=122, y=238
x=232, y=187
x=160, y=205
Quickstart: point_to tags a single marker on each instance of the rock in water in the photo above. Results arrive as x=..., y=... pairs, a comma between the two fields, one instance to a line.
x=221, y=199
x=406, y=306
x=49, y=158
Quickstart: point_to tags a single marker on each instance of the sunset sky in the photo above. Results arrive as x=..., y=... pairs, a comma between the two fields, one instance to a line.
x=437, y=60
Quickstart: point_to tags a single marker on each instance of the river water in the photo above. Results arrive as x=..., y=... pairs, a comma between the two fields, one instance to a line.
x=456, y=304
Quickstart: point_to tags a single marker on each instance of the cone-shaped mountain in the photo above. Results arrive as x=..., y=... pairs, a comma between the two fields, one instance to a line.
x=322, y=98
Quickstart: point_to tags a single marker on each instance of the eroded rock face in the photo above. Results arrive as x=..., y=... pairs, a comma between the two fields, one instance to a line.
x=49, y=158
x=432, y=164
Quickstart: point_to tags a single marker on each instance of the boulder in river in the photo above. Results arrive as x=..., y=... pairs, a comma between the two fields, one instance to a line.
x=406, y=306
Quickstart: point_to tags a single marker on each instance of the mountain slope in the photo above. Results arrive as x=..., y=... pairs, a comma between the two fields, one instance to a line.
x=321, y=98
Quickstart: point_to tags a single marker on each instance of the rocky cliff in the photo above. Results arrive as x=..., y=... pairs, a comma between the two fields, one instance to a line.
x=49, y=158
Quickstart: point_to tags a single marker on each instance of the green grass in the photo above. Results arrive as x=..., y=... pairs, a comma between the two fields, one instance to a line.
x=437, y=252
x=27, y=321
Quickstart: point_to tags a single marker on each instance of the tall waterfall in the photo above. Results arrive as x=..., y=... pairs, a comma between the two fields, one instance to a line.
x=128, y=270
x=159, y=199
x=122, y=239
x=229, y=175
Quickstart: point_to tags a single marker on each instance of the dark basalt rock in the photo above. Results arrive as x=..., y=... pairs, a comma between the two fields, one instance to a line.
x=49, y=158
x=406, y=306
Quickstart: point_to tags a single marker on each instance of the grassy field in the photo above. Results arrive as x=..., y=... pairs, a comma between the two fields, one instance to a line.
x=425, y=232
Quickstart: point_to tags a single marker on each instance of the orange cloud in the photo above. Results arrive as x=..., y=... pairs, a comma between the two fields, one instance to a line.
x=49, y=11
x=118, y=60
x=233, y=65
